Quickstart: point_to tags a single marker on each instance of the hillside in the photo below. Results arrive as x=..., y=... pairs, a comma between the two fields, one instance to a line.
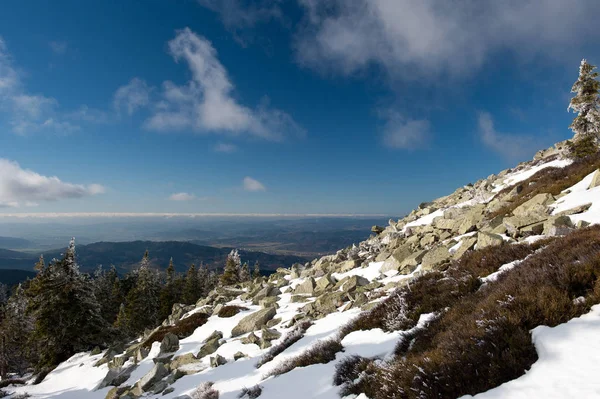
x=12, y=277
x=491, y=291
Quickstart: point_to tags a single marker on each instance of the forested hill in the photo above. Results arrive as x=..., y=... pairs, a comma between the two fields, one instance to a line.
x=126, y=255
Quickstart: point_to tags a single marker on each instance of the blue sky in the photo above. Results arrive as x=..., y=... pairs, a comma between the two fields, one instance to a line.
x=289, y=106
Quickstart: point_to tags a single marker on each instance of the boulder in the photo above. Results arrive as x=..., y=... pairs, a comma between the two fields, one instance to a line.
x=268, y=302
x=515, y=223
x=169, y=344
x=428, y=239
x=183, y=360
x=595, y=180
x=250, y=339
x=329, y=302
x=117, y=392
x=325, y=282
x=348, y=265
x=576, y=210
x=159, y=387
x=466, y=244
x=538, y=204
x=158, y=372
x=307, y=287
x=377, y=229
x=217, y=361
x=435, y=257
x=212, y=343
x=444, y=223
x=116, y=377
x=353, y=282
x=558, y=226
x=488, y=239
x=394, y=262
x=239, y=355
x=253, y=321
x=410, y=263
x=268, y=334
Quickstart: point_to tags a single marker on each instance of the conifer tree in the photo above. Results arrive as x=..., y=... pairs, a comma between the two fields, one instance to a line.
x=256, y=271
x=244, y=272
x=168, y=293
x=231, y=273
x=586, y=103
x=191, y=289
x=66, y=312
x=142, y=304
x=107, y=293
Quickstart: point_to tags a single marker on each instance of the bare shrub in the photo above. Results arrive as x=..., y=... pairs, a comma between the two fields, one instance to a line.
x=290, y=338
x=251, y=393
x=321, y=352
x=205, y=391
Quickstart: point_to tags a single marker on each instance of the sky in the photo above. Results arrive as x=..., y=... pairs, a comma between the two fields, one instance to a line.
x=277, y=106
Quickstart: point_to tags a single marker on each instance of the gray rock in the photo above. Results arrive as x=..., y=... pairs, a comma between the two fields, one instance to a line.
x=158, y=372
x=538, y=204
x=268, y=334
x=250, y=339
x=182, y=360
x=217, y=361
x=595, y=180
x=116, y=377
x=435, y=257
x=488, y=239
x=253, y=321
x=354, y=282
x=169, y=344
x=307, y=287
x=558, y=226
x=239, y=355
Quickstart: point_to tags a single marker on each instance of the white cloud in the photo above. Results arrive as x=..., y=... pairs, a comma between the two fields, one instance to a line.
x=239, y=16
x=510, y=146
x=58, y=47
x=206, y=103
x=25, y=187
x=132, y=96
x=412, y=39
x=27, y=112
x=251, y=184
x=226, y=148
x=182, y=197
x=404, y=133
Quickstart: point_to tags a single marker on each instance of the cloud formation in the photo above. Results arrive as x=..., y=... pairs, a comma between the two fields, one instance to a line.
x=240, y=14
x=132, y=96
x=25, y=187
x=510, y=146
x=182, y=197
x=254, y=185
x=225, y=148
x=206, y=103
x=410, y=39
x=58, y=47
x=404, y=133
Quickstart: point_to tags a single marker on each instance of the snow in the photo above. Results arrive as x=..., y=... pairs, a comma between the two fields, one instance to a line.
x=579, y=195
x=513, y=178
x=371, y=272
x=425, y=220
x=503, y=269
x=568, y=364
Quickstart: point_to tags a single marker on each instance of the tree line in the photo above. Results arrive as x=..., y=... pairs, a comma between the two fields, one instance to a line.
x=62, y=311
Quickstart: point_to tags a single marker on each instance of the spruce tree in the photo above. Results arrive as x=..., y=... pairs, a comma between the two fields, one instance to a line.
x=231, y=273
x=245, y=273
x=256, y=271
x=66, y=312
x=191, y=289
x=142, y=304
x=107, y=293
x=586, y=103
x=16, y=353
x=168, y=295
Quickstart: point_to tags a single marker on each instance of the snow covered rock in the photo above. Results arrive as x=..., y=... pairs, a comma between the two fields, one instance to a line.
x=253, y=321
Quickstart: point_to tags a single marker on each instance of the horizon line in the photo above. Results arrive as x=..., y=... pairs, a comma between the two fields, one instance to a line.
x=173, y=215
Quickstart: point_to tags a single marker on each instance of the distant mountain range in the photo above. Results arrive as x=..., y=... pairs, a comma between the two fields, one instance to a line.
x=12, y=277
x=126, y=256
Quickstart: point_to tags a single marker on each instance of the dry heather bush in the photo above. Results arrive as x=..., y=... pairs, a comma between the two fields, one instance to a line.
x=251, y=393
x=548, y=180
x=355, y=374
x=290, y=338
x=205, y=391
x=484, y=339
x=183, y=328
x=321, y=352
x=230, y=310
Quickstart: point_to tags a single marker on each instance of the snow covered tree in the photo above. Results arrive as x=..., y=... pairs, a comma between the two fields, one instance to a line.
x=142, y=304
x=231, y=272
x=170, y=292
x=3, y=294
x=256, y=271
x=586, y=103
x=15, y=326
x=244, y=272
x=66, y=312
x=106, y=289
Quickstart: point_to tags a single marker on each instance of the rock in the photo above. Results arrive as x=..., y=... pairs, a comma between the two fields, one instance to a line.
x=268, y=302
x=158, y=372
x=466, y=244
x=250, y=339
x=168, y=391
x=253, y=321
x=377, y=229
x=182, y=360
x=212, y=343
x=141, y=353
x=307, y=287
x=515, y=223
x=435, y=257
x=116, y=377
x=116, y=392
x=217, y=361
x=169, y=344
x=428, y=239
x=595, y=180
x=325, y=282
x=576, y=210
x=533, y=229
x=117, y=362
x=348, y=265
x=444, y=223
x=488, y=239
x=581, y=224
x=558, y=226
x=394, y=262
x=353, y=282
x=269, y=334
x=329, y=302
x=217, y=309
x=239, y=355
x=273, y=322
x=298, y=299
x=159, y=387
x=411, y=262
x=538, y=204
